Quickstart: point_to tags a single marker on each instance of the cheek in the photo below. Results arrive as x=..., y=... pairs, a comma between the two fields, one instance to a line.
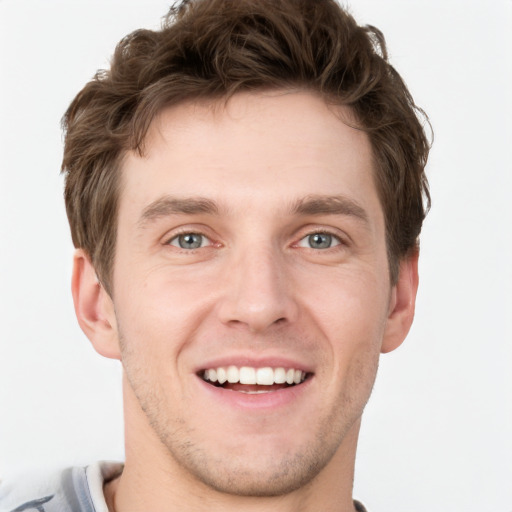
x=351, y=312
x=157, y=309
x=154, y=329
x=355, y=335
x=349, y=305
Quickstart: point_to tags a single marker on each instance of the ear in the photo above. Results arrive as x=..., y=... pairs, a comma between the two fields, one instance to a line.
x=402, y=304
x=94, y=308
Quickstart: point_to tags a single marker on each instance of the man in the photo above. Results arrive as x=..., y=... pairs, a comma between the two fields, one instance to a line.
x=245, y=189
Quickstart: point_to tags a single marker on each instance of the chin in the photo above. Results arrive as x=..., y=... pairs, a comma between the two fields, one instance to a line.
x=263, y=469
x=261, y=479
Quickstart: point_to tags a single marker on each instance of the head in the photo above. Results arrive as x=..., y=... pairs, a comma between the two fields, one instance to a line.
x=215, y=49
x=247, y=184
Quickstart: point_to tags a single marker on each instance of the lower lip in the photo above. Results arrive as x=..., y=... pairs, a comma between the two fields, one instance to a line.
x=270, y=400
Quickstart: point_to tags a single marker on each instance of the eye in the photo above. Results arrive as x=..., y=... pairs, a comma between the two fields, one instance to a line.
x=189, y=241
x=319, y=241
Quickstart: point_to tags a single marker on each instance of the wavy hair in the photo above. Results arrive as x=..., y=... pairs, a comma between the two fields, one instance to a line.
x=213, y=49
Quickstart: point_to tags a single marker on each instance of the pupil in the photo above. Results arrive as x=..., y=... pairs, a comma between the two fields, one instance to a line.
x=320, y=241
x=190, y=241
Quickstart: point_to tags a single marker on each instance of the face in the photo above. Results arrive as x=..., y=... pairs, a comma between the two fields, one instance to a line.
x=251, y=288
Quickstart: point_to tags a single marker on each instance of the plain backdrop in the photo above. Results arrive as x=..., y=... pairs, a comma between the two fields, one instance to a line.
x=437, y=433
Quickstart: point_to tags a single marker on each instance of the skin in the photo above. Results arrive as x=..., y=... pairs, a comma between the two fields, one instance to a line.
x=255, y=290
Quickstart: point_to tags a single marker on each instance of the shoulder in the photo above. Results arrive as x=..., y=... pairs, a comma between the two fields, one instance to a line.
x=75, y=489
x=359, y=506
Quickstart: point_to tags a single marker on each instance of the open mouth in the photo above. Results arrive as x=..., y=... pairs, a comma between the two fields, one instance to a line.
x=251, y=380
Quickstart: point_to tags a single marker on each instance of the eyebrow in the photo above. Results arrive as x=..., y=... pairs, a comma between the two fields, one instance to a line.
x=310, y=205
x=169, y=205
x=330, y=205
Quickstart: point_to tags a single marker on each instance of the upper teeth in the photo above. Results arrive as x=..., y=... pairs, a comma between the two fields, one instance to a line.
x=247, y=375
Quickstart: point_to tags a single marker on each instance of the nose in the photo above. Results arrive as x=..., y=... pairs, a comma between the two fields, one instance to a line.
x=257, y=294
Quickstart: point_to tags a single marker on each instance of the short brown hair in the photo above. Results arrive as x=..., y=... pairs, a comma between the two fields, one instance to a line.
x=216, y=48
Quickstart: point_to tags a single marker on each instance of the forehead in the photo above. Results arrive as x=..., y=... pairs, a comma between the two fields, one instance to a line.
x=274, y=146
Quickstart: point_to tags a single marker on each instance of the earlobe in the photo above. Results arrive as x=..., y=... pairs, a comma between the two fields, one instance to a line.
x=402, y=304
x=94, y=308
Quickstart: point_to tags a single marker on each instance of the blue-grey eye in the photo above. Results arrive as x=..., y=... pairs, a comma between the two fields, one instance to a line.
x=189, y=241
x=319, y=241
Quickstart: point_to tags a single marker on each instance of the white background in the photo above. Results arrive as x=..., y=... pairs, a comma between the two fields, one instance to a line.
x=437, y=434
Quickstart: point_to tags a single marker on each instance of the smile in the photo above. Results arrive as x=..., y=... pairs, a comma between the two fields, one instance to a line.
x=247, y=379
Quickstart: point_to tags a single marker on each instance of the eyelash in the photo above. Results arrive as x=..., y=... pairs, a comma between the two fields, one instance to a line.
x=338, y=241
x=176, y=237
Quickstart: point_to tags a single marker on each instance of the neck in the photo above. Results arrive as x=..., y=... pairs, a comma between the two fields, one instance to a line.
x=153, y=480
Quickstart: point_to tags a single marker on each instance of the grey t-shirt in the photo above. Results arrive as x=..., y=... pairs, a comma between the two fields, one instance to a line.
x=77, y=489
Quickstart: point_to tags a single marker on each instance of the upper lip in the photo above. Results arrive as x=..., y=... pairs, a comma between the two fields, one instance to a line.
x=255, y=362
